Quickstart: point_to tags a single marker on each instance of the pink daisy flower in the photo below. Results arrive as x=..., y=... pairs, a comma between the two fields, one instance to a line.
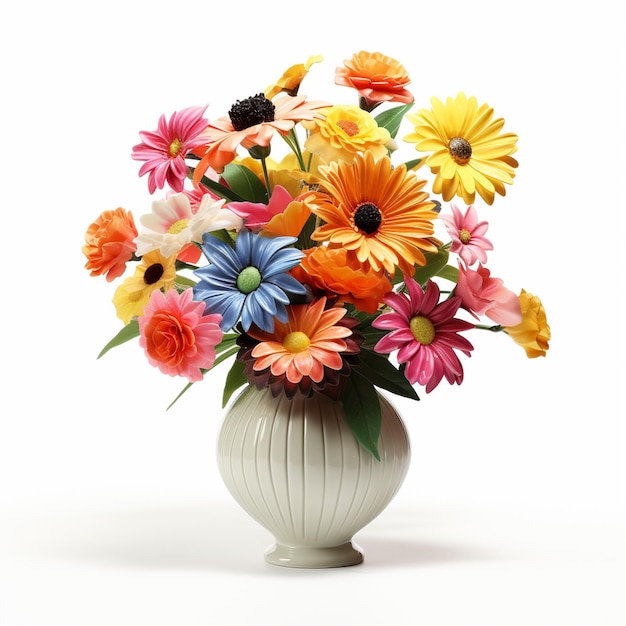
x=467, y=235
x=482, y=294
x=425, y=334
x=175, y=335
x=164, y=150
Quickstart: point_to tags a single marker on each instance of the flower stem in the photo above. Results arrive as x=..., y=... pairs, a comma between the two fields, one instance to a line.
x=267, y=178
x=292, y=141
x=496, y=328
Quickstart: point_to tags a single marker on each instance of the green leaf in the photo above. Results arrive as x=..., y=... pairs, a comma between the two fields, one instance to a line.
x=221, y=190
x=363, y=413
x=392, y=118
x=382, y=373
x=235, y=379
x=304, y=238
x=244, y=182
x=435, y=262
x=130, y=331
x=220, y=359
x=184, y=282
x=412, y=163
x=449, y=272
x=228, y=341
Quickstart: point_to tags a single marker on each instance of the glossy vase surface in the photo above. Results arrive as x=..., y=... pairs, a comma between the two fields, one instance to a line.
x=296, y=467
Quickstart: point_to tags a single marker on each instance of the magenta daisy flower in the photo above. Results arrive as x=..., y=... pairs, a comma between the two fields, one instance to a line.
x=164, y=150
x=467, y=233
x=424, y=331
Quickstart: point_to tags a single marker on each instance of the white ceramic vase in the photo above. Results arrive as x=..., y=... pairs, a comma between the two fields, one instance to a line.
x=296, y=467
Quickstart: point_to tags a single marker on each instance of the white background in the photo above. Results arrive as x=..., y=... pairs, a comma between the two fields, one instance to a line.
x=112, y=512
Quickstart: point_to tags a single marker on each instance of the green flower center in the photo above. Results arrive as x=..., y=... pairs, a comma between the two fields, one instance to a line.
x=153, y=273
x=464, y=235
x=249, y=279
x=175, y=147
x=296, y=341
x=368, y=218
x=422, y=330
x=178, y=226
x=251, y=111
x=460, y=150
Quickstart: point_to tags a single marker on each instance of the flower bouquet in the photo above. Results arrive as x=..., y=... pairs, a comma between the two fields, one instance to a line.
x=323, y=264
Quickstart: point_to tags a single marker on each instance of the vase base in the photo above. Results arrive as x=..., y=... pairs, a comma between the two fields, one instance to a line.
x=309, y=557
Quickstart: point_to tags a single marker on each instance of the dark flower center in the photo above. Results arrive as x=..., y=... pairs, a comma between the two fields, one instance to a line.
x=368, y=218
x=460, y=150
x=153, y=274
x=251, y=111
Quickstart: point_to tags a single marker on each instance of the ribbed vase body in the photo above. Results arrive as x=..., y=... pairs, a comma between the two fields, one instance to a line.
x=296, y=467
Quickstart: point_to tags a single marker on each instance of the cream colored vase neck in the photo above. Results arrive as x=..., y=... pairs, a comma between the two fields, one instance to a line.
x=297, y=469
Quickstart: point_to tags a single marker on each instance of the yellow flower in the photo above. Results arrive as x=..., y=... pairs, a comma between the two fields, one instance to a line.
x=533, y=332
x=468, y=153
x=290, y=81
x=154, y=272
x=344, y=130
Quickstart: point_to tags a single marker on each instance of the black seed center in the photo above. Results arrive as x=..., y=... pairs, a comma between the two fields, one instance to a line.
x=153, y=274
x=368, y=218
x=251, y=111
x=460, y=150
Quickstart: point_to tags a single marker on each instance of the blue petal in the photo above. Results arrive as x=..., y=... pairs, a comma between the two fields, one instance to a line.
x=220, y=254
x=286, y=282
x=282, y=261
x=243, y=247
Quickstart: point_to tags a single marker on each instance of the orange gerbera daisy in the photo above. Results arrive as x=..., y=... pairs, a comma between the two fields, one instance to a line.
x=251, y=123
x=326, y=271
x=313, y=351
x=378, y=213
x=377, y=77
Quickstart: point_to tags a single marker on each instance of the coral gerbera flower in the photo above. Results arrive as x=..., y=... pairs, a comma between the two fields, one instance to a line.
x=326, y=271
x=175, y=335
x=173, y=225
x=533, y=332
x=290, y=81
x=467, y=233
x=377, y=212
x=425, y=334
x=468, y=152
x=378, y=78
x=250, y=280
x=311, y=351
x=251, y=123
x=343, y=130
x=154, y=272
x=164, y=150
x=109, y=243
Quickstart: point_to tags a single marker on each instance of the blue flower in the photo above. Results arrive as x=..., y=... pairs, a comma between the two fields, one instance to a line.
x=249, y=281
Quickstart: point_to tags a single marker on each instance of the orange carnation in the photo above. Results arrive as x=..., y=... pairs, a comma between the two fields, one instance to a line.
x=377, y=77
x=326, y=271
x=110, y=243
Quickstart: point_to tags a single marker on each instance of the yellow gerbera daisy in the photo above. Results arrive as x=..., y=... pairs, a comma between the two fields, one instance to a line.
x=377, y=212
x=154, y=272
x=468, y=153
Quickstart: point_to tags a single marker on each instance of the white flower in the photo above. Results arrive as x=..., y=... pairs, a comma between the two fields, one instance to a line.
x=173, y=223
